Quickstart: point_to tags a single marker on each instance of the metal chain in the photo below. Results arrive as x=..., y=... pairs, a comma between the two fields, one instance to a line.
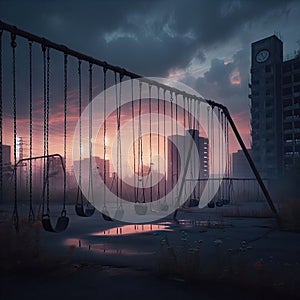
x=79, y=116
x=90, y=130
x=140, y=147
x=184, y=128
x=172, y=151
x=158, y=143
x=65, y=126
x=135, y=188
x=119, y=134
x=31, y=216
x=45, y=123
x=117, y=112
x=15, y=217
x=104, y=131
x=177, y=156
x=1, y=158
x=165, y=152
x=47, y=128
x=150, y=142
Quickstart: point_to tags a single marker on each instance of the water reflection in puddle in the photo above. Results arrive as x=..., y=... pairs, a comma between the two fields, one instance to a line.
x=132, y=229
x=203, y=223
x=101, y=248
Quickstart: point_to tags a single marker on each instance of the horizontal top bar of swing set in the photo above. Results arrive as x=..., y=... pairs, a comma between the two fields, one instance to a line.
x=62, y=48
x=225, y=178
x=43, y=157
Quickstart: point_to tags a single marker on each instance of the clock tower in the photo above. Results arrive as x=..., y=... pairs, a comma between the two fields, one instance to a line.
x=266, y=105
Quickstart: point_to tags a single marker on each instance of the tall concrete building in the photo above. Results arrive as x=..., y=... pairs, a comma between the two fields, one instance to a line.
x=275, y=85
x=240, y=165
x=174, y=158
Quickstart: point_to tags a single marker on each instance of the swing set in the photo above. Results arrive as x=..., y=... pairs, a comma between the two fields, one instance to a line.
x=142, y=194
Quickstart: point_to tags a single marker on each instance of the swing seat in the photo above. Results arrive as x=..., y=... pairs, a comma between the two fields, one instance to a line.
x=87, y=212
x=193, y=202
x=211, y=204
x=140, y=208
x=61, y=223
x=105, y=214
x=219, y=203
x=119, y=214
x=106, y=217
x=79, y=210
x=163, y=206
x=226, y=201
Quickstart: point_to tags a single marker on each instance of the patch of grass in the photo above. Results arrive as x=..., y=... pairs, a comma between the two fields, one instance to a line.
x=290, y=214
x=190, y=261
x=22, y=250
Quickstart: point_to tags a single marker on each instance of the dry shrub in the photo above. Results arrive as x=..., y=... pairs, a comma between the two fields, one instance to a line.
x=290, y=214
x=22, y=250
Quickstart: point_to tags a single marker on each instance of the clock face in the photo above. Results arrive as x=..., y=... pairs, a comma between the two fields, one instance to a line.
x=262, y=56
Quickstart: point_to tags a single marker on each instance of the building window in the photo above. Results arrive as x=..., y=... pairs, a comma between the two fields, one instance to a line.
x=297, y=77
x=297, y=124
x=296, y=65
x=269, y=114
x=288, y=137
x=288, y=149
x=287, y=113
x=269, y=125
x=287, y=102
x=269, y=80
x=268, y=68
x=255, y=104
x=287, y=79
x=297, y=100
x=297, y=89
x=287, y=91
x=255, y=82
x=254, y=70
x=287, y=68
x=287, y=126
x=268, y=92
x=269, y=102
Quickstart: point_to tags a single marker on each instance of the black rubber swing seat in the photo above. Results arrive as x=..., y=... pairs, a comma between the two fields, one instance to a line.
x=193, y=203
x=119, y=213
x=226, y=201
x=211, y=204
x=105, y=214
x=219, y=203
x=61, y=223
x=82, y=211
x=163, y=206
x=140, y=208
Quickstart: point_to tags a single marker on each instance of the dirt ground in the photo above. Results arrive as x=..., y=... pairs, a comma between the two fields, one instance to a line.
x=203, y=256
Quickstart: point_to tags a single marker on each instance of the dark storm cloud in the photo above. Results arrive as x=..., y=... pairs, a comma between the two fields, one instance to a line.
x=149, y=37
x=226, y=82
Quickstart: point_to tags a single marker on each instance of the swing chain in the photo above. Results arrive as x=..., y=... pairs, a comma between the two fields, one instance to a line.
x=31, y=216
x=1, y=158
x=47, y=128
x=65, y=127
x=104, y=129
x=79, y=115
x=15, y=217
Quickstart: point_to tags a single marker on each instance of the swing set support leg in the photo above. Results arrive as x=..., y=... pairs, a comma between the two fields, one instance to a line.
x=249, y=159
x=252, y=165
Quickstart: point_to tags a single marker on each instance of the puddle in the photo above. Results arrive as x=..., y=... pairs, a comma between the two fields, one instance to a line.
x=132, y=229
x=204, y=223
x=101, y=248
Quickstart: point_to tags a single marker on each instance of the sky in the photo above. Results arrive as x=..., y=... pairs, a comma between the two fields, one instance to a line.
x=204, y=44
